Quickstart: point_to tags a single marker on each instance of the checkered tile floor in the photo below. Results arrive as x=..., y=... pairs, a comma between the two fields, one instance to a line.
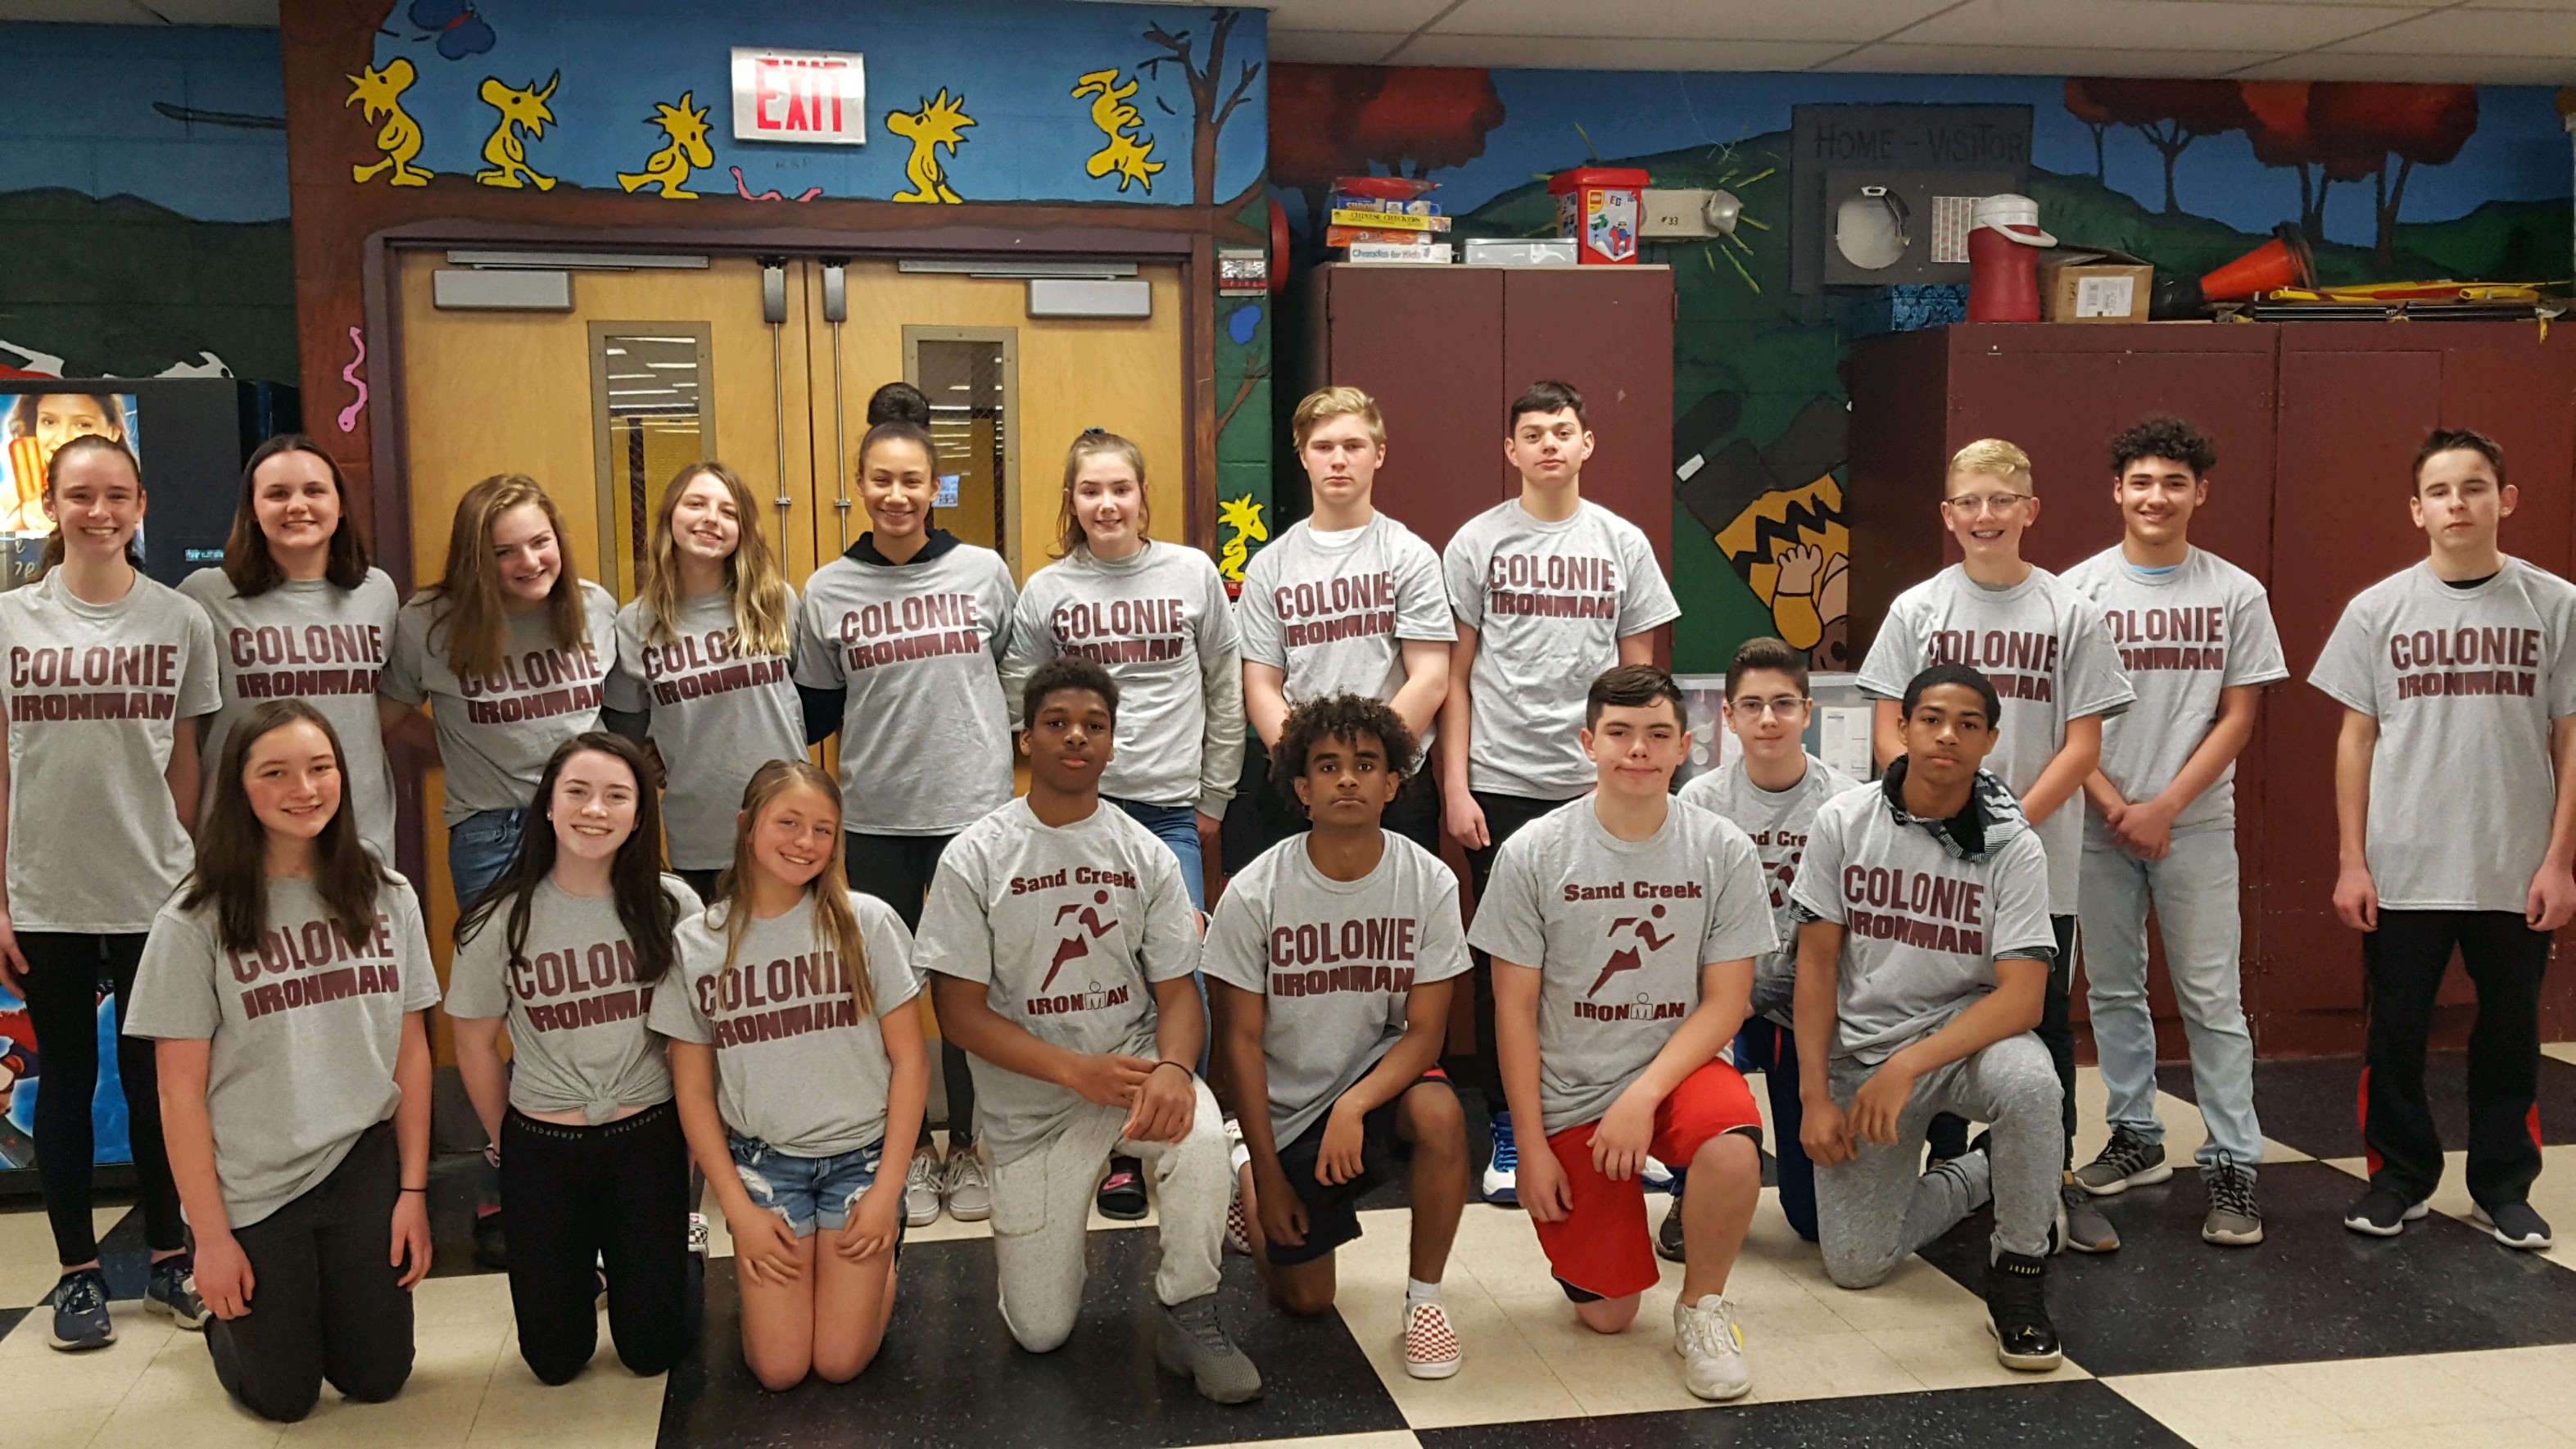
x=2315, y=1338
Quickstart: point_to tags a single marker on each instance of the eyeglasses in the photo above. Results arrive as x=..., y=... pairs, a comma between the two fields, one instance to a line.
x=1784, y=706
x=1977, y=503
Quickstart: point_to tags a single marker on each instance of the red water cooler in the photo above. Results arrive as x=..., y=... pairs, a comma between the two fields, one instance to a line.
x=2003, y=259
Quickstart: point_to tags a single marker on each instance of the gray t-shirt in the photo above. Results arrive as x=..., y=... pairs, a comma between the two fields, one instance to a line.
x=575, y=1009
x=1549, y=603
x=96, y=695
x=2464, y=684
x=716, y=716
x=2184, y=636
x=1334, y=960
x=1922, y=927
x=1334, y=618
x=1618, y=931
x=1067, y=929
x=312, y=640
x=1778, y=823
x=2051, y=659
x=495, y=734
x=1159, y=621
x=918, y=648
x=797, y=1066
x=305, y=1031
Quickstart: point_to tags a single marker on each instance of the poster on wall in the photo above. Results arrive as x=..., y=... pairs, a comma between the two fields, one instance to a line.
x=22, y=1079
x=39, y=423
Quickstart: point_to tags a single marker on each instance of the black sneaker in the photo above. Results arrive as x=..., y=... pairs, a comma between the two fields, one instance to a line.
x=1668, y=1238
x=2234, y=1220
x=2080, y=1225
x=1122, y=1192
x=2017, y=1313
x=80, y=1312
x=2128, y=1161
x=2515, y=1225
x=173, y=1290
x=2381, y=1212
x=491, y=1244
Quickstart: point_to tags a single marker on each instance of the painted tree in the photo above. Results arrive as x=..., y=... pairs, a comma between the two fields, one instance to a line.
x=2171, y=114
x=1208, y=114
x=2396, y=126
x=2096, y=118
x=1332, y=121
x=2284, y=134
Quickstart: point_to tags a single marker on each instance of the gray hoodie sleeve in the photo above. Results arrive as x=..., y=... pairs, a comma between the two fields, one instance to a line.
x=1221, y=676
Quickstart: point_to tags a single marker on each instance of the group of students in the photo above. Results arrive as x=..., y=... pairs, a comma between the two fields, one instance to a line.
x=1894, y=956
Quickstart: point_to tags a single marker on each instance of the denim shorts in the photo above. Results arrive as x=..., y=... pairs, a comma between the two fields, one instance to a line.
x=809, y=1192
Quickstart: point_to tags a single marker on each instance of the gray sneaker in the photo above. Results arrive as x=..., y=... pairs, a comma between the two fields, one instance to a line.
x=1190, y=1342
x=2080, y=1225
x=921, y=1187
x=80, y=1312
x=966, y=1186
x=2234, y=1220
x=173, y=1290
x=2129, y=1161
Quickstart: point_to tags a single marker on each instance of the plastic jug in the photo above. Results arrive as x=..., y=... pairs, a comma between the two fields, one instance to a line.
x=2003, y=259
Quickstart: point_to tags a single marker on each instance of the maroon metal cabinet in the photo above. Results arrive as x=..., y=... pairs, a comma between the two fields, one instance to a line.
x=1445, y=349
x=2315, y=425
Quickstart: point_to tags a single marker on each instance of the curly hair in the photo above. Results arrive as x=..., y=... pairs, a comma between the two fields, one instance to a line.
x=2163, y=437
x=1338, y=716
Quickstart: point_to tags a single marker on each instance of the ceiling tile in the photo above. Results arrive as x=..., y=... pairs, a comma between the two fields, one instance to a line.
x=1897, y=57
x=1333, y=47
x=1376, y=17
x=2534, y=70
x=1844, y=20
x=2151, y=24
x=1597, y=53
x=2524, y=34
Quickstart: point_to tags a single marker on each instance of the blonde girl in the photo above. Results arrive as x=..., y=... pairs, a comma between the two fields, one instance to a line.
x=704, y=662
x=800, y=1072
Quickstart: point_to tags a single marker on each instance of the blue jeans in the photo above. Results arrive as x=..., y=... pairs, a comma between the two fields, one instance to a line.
x=809, y=1192
x=1178, y=827
x=479, y=848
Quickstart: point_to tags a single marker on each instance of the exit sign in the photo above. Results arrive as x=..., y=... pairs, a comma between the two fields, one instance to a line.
x=799, y=95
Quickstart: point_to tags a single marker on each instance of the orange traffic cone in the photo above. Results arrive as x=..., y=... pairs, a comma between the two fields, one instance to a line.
x=2284, y=261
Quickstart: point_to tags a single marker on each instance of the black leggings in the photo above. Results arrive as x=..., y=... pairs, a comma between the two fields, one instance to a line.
x=581, y=1200
x=896, y=869
x=324, y=1303
x=1504, y=816
x=65, y=974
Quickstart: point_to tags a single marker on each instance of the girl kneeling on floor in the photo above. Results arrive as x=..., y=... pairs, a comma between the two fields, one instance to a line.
x=285, y=984
x=801, y=1074
x=567, y=948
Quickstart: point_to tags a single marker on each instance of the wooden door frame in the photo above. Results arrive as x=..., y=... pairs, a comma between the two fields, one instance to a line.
x=1043, y=238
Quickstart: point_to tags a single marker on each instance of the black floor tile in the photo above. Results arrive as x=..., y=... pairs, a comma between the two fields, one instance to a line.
x=2312, y=1103
x=2311, y=1290
x=949, y=1373
x=10, y=1319
x=2042, y=1415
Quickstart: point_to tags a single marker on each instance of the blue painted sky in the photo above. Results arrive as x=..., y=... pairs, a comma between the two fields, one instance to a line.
x=80, y=116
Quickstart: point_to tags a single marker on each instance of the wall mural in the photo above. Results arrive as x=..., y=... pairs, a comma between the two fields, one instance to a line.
x=940, y=122
x=684, y=149
x=2388, y=181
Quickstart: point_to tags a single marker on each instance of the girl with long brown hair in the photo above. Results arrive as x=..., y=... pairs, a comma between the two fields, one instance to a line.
x=299, y=614
x=284, y=989
x=704, y=661
x=509, y=649
x=110, y=670
x=797, y=1058
x=566, y=949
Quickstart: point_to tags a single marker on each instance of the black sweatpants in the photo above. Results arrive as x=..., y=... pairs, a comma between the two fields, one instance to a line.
x=1504, y=816
x=1261, y=816
x=324, y=1303
x=896, y=869
x=2404, y=961
x=65, y=974
x=582, y=1200
x=1948, y=1135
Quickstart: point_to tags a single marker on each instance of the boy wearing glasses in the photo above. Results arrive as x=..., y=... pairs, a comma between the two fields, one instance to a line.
x=2057, y=674
x=2195, y=633
x=1770, y=791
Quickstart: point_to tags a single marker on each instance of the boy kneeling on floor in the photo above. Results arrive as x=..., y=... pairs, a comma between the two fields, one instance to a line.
x=1331, y=960
x=1061, y=950
x=1623, y=927
x=1923, y=959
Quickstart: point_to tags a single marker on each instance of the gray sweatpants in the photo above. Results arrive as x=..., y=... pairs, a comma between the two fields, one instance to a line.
x=1878, y=1209
x=1042, y=1206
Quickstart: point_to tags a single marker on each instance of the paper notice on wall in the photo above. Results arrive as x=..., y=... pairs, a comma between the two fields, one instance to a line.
x=1843, y=738
x=947, y=490
x=1950, y=218
x=2104, y=296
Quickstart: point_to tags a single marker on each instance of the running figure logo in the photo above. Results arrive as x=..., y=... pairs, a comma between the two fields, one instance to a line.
x=1078, y=945
x=1626, y=958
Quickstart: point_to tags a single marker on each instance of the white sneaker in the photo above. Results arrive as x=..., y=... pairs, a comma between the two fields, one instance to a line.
x=1656, y=1177
x=921, y=1188
x=1430, y=1345
x=966, y=1186
x=1712, y=1349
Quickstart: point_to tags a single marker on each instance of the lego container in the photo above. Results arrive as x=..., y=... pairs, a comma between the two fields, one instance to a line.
x=1597, y=207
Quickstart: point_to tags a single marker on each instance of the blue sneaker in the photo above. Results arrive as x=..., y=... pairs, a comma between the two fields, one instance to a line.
x=173, y=1290
x=80, y=1312
x=1502, y=1173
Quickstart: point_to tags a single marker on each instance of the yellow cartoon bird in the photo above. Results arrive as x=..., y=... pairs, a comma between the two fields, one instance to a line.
x=686, y=149
x=938, y=123
x=378, y=94
x=522, y=109
x=1130, y=157
x=1243, y=515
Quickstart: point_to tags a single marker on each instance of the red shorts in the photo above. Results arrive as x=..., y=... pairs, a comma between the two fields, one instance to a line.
x=1603, y=1247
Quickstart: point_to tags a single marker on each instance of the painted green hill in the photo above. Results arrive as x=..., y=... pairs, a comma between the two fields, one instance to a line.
x=120, y=285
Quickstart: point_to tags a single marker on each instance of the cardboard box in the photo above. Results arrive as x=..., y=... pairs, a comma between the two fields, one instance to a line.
x=1400, y=253
x=1503, y=252
x=2093, y=286
x=1388, y=220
